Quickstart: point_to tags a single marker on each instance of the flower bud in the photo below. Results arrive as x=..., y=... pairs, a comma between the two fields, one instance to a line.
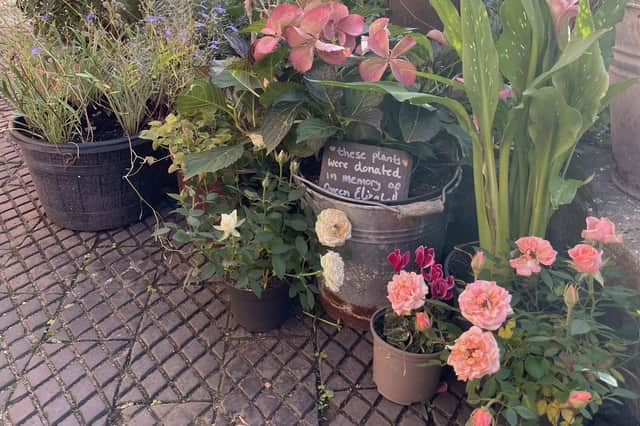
x=265, y=181
x=422, y=321
x=477, y=262
x=294, y=167
x=281, y=158
x=578, y=399
x=570, y=295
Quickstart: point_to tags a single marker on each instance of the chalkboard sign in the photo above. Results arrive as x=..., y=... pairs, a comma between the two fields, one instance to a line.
x=365, y=172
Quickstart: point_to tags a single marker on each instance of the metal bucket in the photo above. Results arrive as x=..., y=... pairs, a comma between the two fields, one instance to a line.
x=377, y=229
x=625, y=108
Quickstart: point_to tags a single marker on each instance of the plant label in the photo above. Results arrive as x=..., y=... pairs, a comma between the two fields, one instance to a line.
x=365, y=172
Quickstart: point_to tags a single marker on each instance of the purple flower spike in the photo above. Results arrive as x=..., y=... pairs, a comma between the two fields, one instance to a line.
x=220, y=9
x=199, y=24
x=152, y=19
x=213, y=45
x=90, y=17
x=46, y=16
x=167, y=33
x=233, y=28
x=35, y=50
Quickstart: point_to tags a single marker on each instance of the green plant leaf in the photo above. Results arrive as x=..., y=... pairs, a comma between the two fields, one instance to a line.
x=301, y=246
x=299, y=225
x=511, y=416
x=448, y=14
x=418, y=124
x=572, y=52
x=276, y=90
x=277, y=123
x=607, y=378
x=514, y=44
x=563, y=191
x=198, y=96
x=579, y=326
x=616, y=89
x=625, y=393
x=254, y=27
x=279, y=266
x=207, y=271
x=534, y=367
x=525, y=413
x=314, y=128
x=480, y=64
x=211, y=161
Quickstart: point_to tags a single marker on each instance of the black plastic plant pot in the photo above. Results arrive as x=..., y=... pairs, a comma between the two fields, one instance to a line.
x=260, y=314
x=83, y=186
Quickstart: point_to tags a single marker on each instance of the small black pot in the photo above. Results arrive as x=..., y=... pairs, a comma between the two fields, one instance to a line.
x=82, y=186
x=260, y=314
x=458, y=261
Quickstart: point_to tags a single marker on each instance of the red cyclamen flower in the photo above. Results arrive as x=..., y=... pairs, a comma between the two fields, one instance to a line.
x=398, y=261
x=425, y=257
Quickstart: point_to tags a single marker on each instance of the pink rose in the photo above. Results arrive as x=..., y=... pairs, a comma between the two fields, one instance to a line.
x=422, y=321
x=485, y=304
x=474, y=354
x=586, y=259
x=578, y=399
x=406, y=291
x=480, y=417
x=602, y=230
x=535, y=251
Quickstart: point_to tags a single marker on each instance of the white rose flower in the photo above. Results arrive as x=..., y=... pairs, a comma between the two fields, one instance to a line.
x=333, y=227
x=332, y=270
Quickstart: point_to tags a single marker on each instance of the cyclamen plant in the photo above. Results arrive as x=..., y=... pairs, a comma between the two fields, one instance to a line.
x=415, y=322
x=559, y=356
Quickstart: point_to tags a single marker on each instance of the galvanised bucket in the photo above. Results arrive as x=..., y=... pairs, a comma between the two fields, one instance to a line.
x=625, y=108
x=377, y=229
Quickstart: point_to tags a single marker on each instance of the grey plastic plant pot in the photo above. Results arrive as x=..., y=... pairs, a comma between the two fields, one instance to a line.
x=400, y=376
x=82, y=186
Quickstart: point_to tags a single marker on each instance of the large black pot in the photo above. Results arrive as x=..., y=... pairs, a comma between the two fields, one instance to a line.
x=260, y=314
x=83, y=186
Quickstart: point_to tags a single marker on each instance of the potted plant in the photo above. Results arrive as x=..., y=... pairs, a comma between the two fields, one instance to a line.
x=325, y=115
x=525, y=133
x=562, y=342
x=83, y=95
x=410, y=336
x=256, y=239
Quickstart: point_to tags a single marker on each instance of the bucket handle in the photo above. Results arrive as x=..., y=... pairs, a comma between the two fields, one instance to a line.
x=419, y=208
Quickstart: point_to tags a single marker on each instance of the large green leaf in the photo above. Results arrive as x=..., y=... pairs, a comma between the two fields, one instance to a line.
x=417, y=124
x=358, y=100
x=448, y=14
x=401, y=94
x=572, y=52
x=563, y=191
x=616, y=89
x=277, y=123
x=314, y=128
x=200, y=96
x=584, y=83
x=553, y=125
x=609, y=13
x=480, y=64
x=211, y=161
x=514, y=44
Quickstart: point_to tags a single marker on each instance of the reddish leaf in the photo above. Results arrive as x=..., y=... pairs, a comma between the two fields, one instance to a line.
x=301, y=58
x=403, y=70
x=352, y=25
x=263, y=46
x=437, y=35
x=316, y=19
x=372, y=69
x=403, y=47
x=332, y=54
x=297, y=38
x=379, y=43
x=283, y=15
x=378, y=24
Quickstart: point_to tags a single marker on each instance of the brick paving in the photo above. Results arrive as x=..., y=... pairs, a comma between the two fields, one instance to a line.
x=97, y=329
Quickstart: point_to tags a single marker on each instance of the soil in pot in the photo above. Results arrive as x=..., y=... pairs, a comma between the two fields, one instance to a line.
x=260, y=314
x=400, y=376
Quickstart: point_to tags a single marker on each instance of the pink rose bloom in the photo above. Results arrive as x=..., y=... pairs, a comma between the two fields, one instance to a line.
x=422, y=321
x=578, y=399
x=474, y=354
x=586, y=259
x=535, y=251
x=485, y=304
x=406, y=291
x=480, y=417
x=602, y=230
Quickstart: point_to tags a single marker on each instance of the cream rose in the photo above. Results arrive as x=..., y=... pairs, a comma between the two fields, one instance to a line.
x=332, y=270
x=333, y=227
